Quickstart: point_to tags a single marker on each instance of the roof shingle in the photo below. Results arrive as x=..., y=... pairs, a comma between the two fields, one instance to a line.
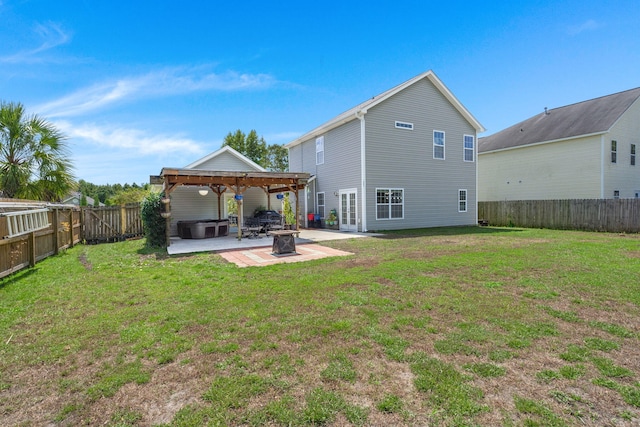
x=584, y=118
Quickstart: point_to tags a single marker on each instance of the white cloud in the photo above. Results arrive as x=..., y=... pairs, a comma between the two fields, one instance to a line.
x=165, y=82
x=52, y=35
x=589, y=25
x=138, y=142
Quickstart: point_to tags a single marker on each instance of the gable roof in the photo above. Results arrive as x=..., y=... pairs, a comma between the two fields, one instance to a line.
x=592, y=117
x=362, y=108
x=233, y=152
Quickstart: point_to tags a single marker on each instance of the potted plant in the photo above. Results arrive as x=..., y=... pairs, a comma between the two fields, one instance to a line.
x=287, y=210
x=332, y=219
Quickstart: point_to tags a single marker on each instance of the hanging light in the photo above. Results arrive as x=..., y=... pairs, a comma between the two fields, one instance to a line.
x=203, y=191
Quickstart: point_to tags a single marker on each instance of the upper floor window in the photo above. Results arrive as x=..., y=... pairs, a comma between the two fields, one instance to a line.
x=320, y=150
x=404, y=125
x=469, y=143
x=438, y=144
x=462, y=200
x=633, y=154
x=614, y=151
x=389, y=203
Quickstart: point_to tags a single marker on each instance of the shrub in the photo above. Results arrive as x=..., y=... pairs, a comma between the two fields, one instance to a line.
x=154, y=223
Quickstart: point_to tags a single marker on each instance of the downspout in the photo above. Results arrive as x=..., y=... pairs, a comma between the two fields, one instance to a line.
x=602, y=163
x=363, y=171
x=475, y=157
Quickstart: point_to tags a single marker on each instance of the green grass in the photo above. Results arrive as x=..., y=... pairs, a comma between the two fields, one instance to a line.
x=420, y=327
x=541, y=414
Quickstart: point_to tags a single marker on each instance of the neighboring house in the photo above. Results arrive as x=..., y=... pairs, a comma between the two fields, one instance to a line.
x=403, y=159
x=188, y=202
x=581, y=151
x=75, y=198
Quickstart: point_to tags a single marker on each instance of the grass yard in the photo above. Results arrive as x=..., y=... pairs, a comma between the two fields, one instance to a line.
x=440, y=327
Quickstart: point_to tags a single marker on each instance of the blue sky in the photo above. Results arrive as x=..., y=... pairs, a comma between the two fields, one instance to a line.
x=139, y=85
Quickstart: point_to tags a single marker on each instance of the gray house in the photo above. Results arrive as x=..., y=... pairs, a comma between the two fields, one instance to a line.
x=585, y=150
x=403, y=159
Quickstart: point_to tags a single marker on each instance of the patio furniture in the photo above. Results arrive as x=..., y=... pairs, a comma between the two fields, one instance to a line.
x=284, y=241
x=251, y=228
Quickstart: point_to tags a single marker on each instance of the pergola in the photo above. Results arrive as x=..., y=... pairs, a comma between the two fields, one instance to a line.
x=236, y=181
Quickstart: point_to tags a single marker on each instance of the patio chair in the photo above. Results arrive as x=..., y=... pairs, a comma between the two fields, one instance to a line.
x=251, y=228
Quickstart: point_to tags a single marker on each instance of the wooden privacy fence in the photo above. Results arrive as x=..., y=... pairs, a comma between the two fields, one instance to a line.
x=30, y=233
x=26, y=238
x=111, y=223
x=612, y=215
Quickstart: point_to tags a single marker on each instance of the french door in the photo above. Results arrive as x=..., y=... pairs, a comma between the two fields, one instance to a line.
x=348, y=211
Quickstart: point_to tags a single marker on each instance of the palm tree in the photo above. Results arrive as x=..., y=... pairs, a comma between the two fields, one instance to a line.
x=34, y=163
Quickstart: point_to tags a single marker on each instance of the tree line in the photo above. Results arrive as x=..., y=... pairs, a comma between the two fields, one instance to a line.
x=274, y=157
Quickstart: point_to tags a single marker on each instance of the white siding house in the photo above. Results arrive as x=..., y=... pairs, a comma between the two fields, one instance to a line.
x=403, y=159
x=581, y=151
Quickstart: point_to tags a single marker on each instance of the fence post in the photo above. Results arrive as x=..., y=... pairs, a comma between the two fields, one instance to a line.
x=82, y=232
x=32, y=249
x=123, y=220
x=56, y=239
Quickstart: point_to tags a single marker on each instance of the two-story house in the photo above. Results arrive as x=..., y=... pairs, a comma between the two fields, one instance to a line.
x=403, y=159
x=581, y=151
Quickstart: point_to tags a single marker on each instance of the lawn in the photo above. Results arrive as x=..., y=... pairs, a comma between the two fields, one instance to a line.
x=440, y=327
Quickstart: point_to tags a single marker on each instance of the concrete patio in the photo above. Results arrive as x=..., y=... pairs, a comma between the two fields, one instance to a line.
x=229, y=243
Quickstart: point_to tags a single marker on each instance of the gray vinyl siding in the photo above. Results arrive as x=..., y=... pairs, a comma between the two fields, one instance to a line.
x=225, y=162
x=400, y=158
x=341, y=168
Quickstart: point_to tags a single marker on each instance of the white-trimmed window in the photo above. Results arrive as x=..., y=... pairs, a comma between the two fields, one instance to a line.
x=614, y=151
x=633, y=154
x=320, y=150
x=469, y=147
x=404, y=125
x=438, y=144
x=320, y=204
x=462, y=200
x=389, y=203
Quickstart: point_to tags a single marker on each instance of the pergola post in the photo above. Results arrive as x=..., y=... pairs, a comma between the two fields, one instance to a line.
x=297, y=207
x=219, y=190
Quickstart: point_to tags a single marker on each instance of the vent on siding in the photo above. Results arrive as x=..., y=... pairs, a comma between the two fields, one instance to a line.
x=404, y=125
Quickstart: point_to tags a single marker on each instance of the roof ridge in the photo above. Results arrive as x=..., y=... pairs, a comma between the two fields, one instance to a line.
x=595, y=99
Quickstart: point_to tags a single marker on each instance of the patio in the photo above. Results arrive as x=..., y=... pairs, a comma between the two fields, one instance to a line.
x=229, y=243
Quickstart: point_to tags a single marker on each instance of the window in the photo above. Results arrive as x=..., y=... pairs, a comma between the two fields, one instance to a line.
x=616, y=194
x=633, y=154
x=462, y=200
x=614, y=151
x=438, y=144
x=389, y=203
x=320, y=204
x=320, y=150
x=404, y=125
x=469, y=142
